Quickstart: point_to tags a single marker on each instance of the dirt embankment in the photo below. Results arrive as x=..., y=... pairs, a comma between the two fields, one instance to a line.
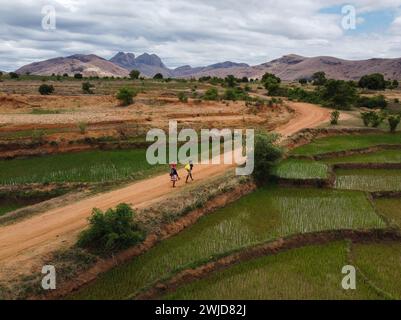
x=271, y=248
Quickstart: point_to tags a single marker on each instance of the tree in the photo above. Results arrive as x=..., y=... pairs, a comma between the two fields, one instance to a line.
x=78, y=76
x=319, y=78
x=126, y=96
x=303, y=81
x=373, y=81
x=111, y=231
x=134, y=74
x=231, y=81
x=65, y=75
x=339, y=94
x=13, y=75
x=394, y=121
x=87, y=87
x=158, y=76
x=372, y=103
x=267, y=155
x=271, y=83
x=270, y=76
x=211, y=94
x=46, y=89
x=335, y=115
x=1, y=74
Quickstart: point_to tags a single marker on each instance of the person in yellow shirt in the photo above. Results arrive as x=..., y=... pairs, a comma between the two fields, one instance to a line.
x=189, y=167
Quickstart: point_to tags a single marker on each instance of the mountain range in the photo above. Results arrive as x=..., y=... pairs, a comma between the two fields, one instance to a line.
x=289, y=67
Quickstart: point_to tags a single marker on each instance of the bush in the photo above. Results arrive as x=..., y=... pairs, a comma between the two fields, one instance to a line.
x=158, y=76
x=335, y=115
x=82, y=127
x=87, y=87
x=235, y=94
x=299, y=94
x=366, y=118
x=126, y=96
x=319, y=78
x=134, y=74
x=372, y=103
x=46, y=89
x=182, y=97
x=372, y=118
x=267, y=155
x=303, y=81
x=111, y=231
x=13, y=75
x=394, y=121
x=231, y=81
x=339, y=94
x=211, y=94
x=78, y=76
x=373, y=81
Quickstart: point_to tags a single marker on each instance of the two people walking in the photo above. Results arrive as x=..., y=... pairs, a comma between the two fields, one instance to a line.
x=174, y=173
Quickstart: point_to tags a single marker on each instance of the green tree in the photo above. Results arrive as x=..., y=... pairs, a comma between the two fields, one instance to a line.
x=267, y=155
x=134, y=74
x=182, y=97
x=13, y=75
x=46, y=89
x=394, y=121
x=126, y=96
x=211, y=94
x=111, y=231
x=231, y=81
x=373, y=81
x=87, y=87
x=339, y=94
x=78, y=76
x=303, y=81
x=158, y=76
x=319, y=78
x=335, y=115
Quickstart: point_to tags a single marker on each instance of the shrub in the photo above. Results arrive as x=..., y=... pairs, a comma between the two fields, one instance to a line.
x=78, y=76
x=335, y=115
x=111, y=231
x=65, y=75
x=182, y=97
x=231, y=81
x=126, y=96
x=267, y=155
x=303, y=81
x=46, y=89
x=366, y=118
x=158, y=76
x=235, y=94
x=13, y=75
x=82, y=127
x=339, y=94
x=134, y=74
x=211, y=94
x=372, y=118
x=87, y=87
x=373, y=81
x=319, y=78
x=271, y=84
x=372, y=103
x=394, y=121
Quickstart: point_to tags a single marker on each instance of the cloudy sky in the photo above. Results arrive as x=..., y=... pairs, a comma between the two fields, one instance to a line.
x=197, y=32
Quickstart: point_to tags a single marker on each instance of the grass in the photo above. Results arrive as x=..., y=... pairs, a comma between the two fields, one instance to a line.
x=39, y=111
x=381, y=264
x=368, y=179
x=9, y=206
x=264, y=215
x=88, y=166
x=312, y=272
x=301, y=169
x=347, y=142
x=386, y=156
x=390, y=208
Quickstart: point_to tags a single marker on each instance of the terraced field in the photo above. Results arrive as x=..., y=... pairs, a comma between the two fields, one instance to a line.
x=386, y=156
x=265, y=215
x=312, y=272
x=301, y=169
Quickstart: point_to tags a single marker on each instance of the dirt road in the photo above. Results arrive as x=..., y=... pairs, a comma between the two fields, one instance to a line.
x=24, y=244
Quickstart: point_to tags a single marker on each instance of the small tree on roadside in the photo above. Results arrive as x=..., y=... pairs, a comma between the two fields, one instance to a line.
x=126, y=96
x=134, y=74
x=394, y=121
x=366, y=118
x=267, y=155
x=46, y=89
x=335, y=115
x=111, y=231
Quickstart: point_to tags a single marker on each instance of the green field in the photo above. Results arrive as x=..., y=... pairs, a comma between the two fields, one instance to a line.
x=386, y=156
x=346, y=142
x=381, y=264
x=312, y=272
x=264, y=215
x=9, y=206
x=368, y=179
x=301, y=169
x=390, y=208
x=88, y=166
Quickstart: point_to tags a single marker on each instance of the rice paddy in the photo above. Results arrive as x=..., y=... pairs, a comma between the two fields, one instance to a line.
x=301, y=169
x=312, y=272
x=390, y=208
x=368, y=179
x=347, y=142
x=88, y=166
x=264, y=215
x=386, y=156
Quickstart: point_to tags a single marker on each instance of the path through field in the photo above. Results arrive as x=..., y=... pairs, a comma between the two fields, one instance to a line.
x=24, y=244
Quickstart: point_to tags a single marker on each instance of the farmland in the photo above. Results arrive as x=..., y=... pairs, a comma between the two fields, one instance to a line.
x=301, y=169
x=265, y=215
